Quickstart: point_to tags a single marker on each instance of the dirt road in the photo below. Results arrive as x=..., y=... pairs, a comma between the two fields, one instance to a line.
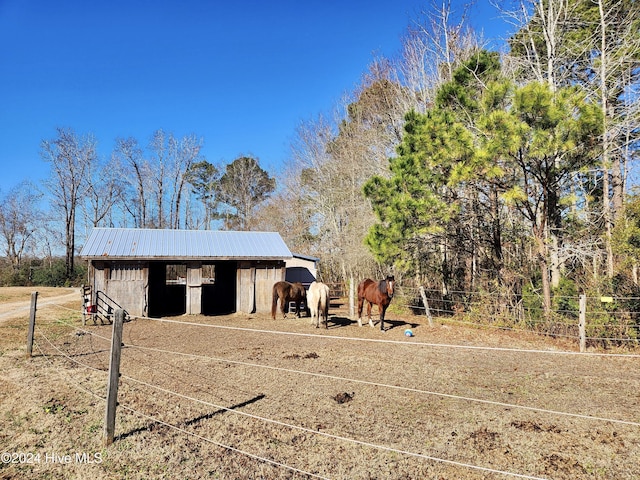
x=16, y=301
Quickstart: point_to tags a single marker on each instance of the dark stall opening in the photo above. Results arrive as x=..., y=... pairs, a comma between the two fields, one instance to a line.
x=219, y=288
x=167, y=289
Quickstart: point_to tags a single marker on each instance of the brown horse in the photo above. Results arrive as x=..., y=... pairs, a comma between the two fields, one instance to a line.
x=287, y=292
x=379, y=293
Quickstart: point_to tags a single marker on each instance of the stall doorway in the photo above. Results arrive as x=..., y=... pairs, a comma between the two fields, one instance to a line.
x=167, y=289
x=219, y=288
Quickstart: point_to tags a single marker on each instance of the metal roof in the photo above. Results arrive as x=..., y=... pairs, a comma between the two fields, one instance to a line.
x=139, y=243
x=305, y=257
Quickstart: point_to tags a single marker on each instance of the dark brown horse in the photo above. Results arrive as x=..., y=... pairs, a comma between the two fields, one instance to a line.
x=379, y=293
x=287, y=292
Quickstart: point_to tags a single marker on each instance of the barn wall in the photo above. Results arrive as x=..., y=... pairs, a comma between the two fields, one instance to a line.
x=301, y=270
x=194, y=288
x=266, y=276
x=124, y=284
x=245, y=291
x=128, y=285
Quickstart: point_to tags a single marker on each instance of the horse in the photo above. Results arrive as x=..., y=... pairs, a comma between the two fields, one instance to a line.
x=318, y=303
x=379, y=293
x=287, y=292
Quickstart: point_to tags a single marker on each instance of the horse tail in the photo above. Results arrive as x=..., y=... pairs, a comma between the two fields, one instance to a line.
x=274, y=305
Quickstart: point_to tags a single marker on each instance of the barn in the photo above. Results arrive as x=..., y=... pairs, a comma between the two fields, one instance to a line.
x=155, y=273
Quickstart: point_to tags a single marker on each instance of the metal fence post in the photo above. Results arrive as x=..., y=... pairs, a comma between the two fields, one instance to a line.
x=114, y=377
x=32, y=323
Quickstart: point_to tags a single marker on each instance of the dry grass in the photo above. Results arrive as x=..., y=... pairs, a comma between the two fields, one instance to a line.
x=371, y=410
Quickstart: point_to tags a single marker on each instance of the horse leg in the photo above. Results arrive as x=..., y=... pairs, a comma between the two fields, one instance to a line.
x=284, y=305
x=360, y=305
x=314, y=315
x=274, y=305
x=369, y=306
x=325, y=314
x=383, y=309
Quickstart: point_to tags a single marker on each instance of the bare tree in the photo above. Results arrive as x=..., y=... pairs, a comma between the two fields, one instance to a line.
x=158, y=166
x=434, y=46
x=71, y=159
x=184, y=154
x=103, y=193
x=617, y=43
x=19, y=221
x=129, y=156
x=331, y=170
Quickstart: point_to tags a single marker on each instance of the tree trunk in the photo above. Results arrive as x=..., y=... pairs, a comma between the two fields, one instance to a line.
x=543, y=264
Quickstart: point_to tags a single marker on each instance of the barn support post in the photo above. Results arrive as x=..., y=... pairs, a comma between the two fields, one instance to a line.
x=582, y=321
x=425, y=302
x=32, y=323
x=114, y=377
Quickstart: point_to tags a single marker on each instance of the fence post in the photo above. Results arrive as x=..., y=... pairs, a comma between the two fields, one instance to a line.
x=114, y=377
x=32, y=323
x=352, y=296
x=582, y=322
x=426, y=305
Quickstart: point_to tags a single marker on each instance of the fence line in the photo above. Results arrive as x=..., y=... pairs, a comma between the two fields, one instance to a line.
x=126, y=407
x=273, y=421
x=363, y=443
x=76, y=384
x=365, y=382
x=536, y=332
x=619, y=323
x=402, y=342
x=446, y=316
x=338, y=437
x=393, y=387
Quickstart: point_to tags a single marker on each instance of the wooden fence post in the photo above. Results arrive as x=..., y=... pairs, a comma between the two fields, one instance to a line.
x=582, y=322
x=32, y=323
x=425, y=302
x=352, y=297
x=114, y=377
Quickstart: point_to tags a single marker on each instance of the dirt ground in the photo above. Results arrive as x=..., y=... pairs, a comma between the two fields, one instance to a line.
x=247, y=397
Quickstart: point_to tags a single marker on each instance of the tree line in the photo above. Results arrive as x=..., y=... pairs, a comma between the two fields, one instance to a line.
x=455, y=166
x=166, y=184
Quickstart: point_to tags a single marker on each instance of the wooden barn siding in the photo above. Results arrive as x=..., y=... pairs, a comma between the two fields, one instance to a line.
x=255, y=284
x=266, y=276
x=129, y=286
x=194, y=288
x=126, y=284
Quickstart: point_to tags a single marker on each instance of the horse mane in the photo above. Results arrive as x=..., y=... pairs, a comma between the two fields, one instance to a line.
x=382, y=286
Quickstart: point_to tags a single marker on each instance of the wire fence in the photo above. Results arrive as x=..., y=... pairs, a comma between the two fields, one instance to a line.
x=610, y=321
x=64, y=339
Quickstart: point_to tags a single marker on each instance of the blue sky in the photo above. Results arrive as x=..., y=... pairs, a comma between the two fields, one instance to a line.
x=240, y=74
